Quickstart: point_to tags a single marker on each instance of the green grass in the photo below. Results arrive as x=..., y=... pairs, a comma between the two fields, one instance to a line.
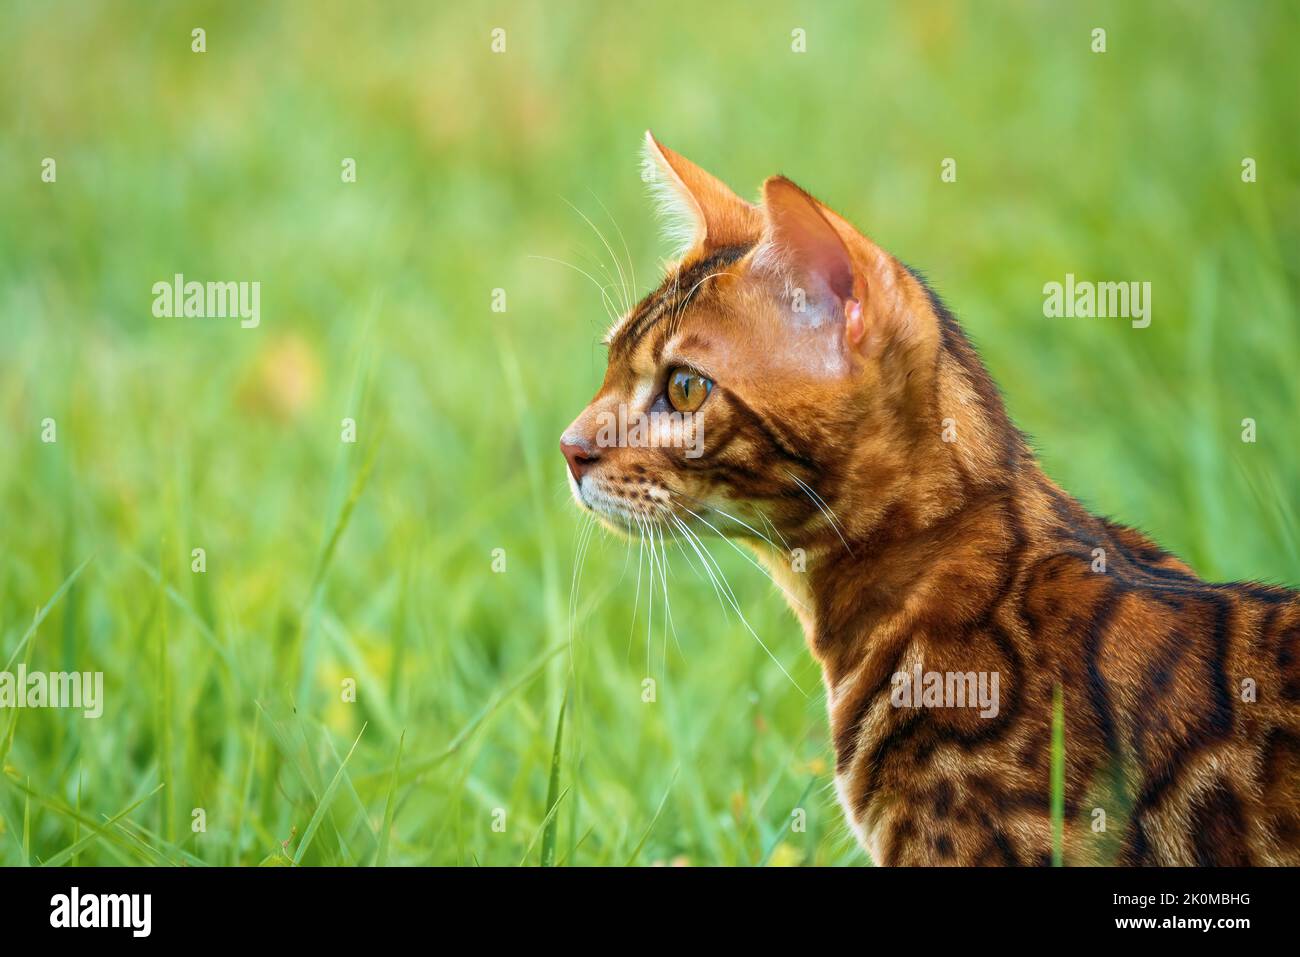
x=1058, y=778
x=373, y=561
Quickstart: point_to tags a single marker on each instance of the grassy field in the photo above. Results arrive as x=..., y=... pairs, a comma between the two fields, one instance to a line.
x=372, y=562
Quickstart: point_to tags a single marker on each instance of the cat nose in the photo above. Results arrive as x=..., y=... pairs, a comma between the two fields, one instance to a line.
x=580, y=455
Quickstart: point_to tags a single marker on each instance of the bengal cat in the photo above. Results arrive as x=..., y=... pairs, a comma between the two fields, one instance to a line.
x=846, y=416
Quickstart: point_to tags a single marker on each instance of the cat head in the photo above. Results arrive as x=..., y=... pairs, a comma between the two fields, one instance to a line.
x=781, y=378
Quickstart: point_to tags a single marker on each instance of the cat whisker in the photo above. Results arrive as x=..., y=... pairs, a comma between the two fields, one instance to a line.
x=610, y=281
x=663, y=581
x=775, y=531
x=703, y=551
x=579, y=559
x=676, y=640
x=726, y=514
x=676, y=319
x=650, y=602
x=719, y=578
x=648, y=535
x=611, y=307
x=583, y=534
x=708, y=573
x=821, y=504
x=627, y=559
x=749, y=558
x=631, y=268
x=636, y=602
x=627, y=296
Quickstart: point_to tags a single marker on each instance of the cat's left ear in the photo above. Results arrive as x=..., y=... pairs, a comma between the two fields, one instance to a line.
x=701, y=211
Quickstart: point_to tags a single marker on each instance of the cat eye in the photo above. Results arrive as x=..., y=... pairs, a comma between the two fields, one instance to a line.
x=687, y=389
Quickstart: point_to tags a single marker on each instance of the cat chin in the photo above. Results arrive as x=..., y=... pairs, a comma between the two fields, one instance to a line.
x=617, y=519
x=624, y=523
x=618, y=525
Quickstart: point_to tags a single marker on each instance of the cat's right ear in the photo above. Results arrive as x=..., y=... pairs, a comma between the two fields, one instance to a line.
x=700, y=211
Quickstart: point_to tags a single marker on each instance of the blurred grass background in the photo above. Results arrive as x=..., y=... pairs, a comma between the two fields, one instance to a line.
x=373, y=561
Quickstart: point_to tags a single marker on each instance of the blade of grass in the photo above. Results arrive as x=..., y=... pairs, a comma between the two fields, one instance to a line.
x=377, y=705
x=345, y=513
x=362, y=825
x=245, y=791
x=99, y=831
x=309, y=628
x=577, y=844
x=1058, y=778
x=179, y=600
x=541, y=830
x=40, y=615
x=417, y=768
x=636, y=851
x=776, y=838
x=151, y=855
x=12, y=831
x=27, y=826
x=553, y=790
x=13, y=720
x=165, y=713
x=324, y=803
x=382, y=858
x=76, y=822
x=54, y=804
x=179, y=856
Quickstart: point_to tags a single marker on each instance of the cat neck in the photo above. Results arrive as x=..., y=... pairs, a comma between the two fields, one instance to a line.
x=938, y=578
x=931, y=562
x=917, y=515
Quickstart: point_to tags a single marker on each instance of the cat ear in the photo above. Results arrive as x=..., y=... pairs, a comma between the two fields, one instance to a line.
x=840, y=271
x=802, y=239
x=700, y=210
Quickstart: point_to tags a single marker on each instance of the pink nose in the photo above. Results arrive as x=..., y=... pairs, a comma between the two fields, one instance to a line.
x=580, y=455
